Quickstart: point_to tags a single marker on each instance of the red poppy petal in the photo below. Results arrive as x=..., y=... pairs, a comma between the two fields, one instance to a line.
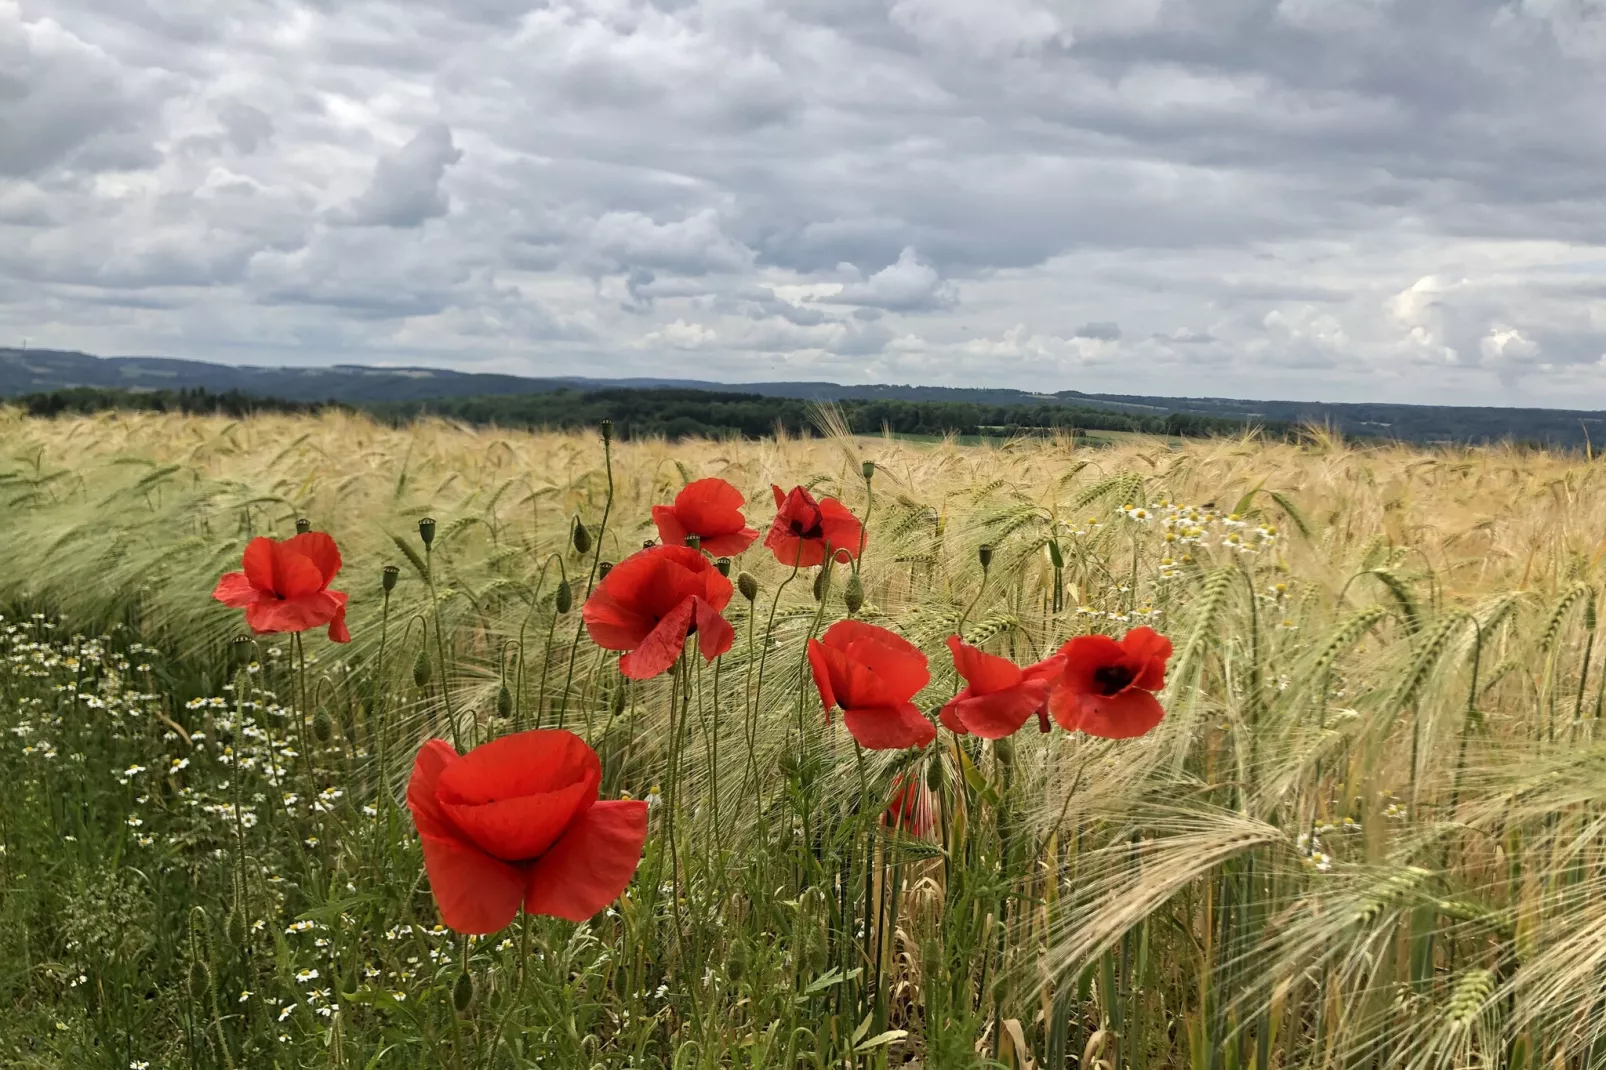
x=591, y=865
x=319, y=548
x=792, y=551
x=731, y=544
x=842, y=529
x=658, y=651
x=292, y=614
x=984, y=672
x=516, y=829
x=295, y=576
x=714, y=633
x=434, y=757
x=717, y=589
x=1123, y=716
x=234, y=590
x=1084, y=656
x=1002, y=713
x=611, y=624
x=338, y=632
x=897, y=664
x=889, y=727
x=1065, y=705
x=475, y=892
x=844, y=633
x=820, y=664
x=949, y=715
x=780, y=495
x=259, y=563
x=523, y=763
x=1047, y=669
x=710, y=507
x=1149, y=651
x=670, y=530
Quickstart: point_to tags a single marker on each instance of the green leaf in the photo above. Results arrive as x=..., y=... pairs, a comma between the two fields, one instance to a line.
x=882, y=1039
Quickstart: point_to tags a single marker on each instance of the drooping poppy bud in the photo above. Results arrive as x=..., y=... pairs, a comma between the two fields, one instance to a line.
x=819, y=585
x=426, y=531
x=422, y=670
x=853, y=594
x=747, y=585
x=388, y=576
x=580, y=537
x=322, y=727
x=303, y=525
x=463, y=993
x=504, y=702
x=563, y=599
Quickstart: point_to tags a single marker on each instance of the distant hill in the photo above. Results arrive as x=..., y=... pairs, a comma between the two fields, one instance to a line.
x=37, y=371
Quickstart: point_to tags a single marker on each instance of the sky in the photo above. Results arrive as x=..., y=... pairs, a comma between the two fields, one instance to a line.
x=1344, y=200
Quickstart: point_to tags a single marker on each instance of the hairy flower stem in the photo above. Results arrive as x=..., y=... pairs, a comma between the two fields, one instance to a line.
x=382, y=706
x=440, y=645
x=591, y=577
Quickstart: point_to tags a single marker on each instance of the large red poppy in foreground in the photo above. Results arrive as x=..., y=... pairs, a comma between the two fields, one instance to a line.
x=1106, y=687
x=804, y=527
x=872, y=674
x=999, y=695
x=516, y=822
x=710, y=509
x=651, y=601
x=285, y=586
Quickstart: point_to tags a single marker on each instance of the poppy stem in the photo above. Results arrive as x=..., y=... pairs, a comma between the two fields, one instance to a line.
x=301, y=722
x=591, y=578
x=381, y=705
x=440, y=645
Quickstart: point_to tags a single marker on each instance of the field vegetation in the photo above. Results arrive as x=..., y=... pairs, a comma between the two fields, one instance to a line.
x=1368, y=832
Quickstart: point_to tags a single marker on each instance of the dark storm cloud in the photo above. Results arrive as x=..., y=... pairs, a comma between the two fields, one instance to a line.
x=1324, y=195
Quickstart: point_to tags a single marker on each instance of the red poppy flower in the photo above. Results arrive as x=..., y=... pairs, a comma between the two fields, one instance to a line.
x=710, y=509
x=999, y=695
x=285, y=586
x=912, y=809
x=517, y=822
x=803, y=527
x=872, y=674
x=1105, y=688
x=651, y=601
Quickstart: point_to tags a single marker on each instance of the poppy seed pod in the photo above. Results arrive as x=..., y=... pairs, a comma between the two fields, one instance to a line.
x=648, y=544
x=388, y=576
x=563, y=600
x=303, y=525
x=426, y=531
x=868, y=468
x=853, y=594
x=463, y=993
x=504, y=702
x=694, y=541
x=580, y=537
x=603, y=568
x=422, y=670
x=747, y=585
x=724, y=566
x=984, y=554
x=606, y=427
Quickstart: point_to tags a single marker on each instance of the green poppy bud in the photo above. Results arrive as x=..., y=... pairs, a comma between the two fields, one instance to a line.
x=563, y=600
x=747, y=585
x=1004, y=750
x=237, y=930
x=853, y=594
x=620, y=695
x=322, y=727
x=426, y=531
x=422, y=670
x=504, y=702
x=388, y=576
x=580, y=537
x=463, y=993
x=724, y=566
x=934, y=773
x=303, y=525
x=819, y=585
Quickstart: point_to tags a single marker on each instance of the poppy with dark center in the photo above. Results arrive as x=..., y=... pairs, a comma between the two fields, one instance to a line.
x=1106, y=688
x=803, y=528
x=710, y=509
x=872, y=673
x=516, y=822
x=649, y=604
x=999, y=696
x=285, y=586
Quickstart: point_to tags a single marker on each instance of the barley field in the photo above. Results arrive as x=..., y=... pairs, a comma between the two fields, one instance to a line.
x=1370, y=830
